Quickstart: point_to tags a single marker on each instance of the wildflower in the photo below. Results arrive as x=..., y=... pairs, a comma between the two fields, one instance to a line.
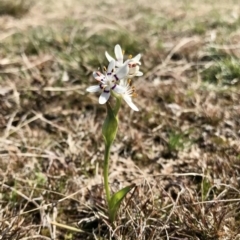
x=119, y=56
x=133, y=63
x=108, y=82
x=128, y=93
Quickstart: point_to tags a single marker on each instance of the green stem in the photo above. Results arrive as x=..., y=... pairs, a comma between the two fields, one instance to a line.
x=118, y=103
x=105, y=171
x=109, y=131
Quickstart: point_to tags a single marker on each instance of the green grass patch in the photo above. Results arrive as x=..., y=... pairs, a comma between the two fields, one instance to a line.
x=178, y=140
x=225, y=71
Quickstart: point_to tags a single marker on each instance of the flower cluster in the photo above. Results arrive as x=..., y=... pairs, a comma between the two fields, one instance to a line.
x=117, y=78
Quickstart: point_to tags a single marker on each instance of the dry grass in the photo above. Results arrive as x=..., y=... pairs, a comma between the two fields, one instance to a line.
x=182, y=149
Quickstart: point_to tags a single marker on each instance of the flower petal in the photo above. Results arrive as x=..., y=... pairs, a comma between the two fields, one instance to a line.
x=111, y=67
x=136, y=59
x=128, y=100
x=109, y=58
x=123, y=82
x=119, y=89
x=118, y=54
x=98, y=76
x=139, y=74
x=104, y=97
x=95, y=88
x=122, y=72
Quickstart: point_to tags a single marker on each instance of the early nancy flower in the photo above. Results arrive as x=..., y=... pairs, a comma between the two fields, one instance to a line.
x=133, y=63
x=119, y=56
x=128, y=93
x=117, y=78
x=109, y=81
x=115, y=81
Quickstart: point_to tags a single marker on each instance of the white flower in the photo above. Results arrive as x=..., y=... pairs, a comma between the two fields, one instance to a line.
x=133, y=63
x=128, y=93
x=108, y=82
x=117, y=77
x=119, y=56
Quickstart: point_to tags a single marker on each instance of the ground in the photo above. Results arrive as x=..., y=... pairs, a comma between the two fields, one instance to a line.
x=182, y=149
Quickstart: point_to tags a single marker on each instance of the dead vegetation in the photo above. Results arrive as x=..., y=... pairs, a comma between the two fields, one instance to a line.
x=182, y=150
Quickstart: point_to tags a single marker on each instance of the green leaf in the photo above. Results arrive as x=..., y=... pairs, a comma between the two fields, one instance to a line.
x=116, y=200
x=110, y=126
x=206, y=185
